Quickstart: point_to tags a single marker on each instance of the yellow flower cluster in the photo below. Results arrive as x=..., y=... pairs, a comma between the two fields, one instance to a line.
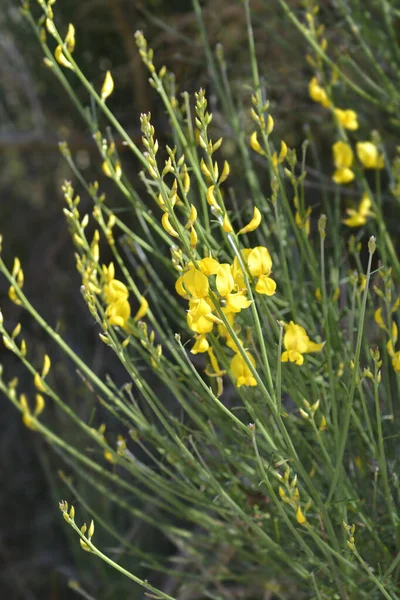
x=116, y=296
x=194, y=285
x=343, y=158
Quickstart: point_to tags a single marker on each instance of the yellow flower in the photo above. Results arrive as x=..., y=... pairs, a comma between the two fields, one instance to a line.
x=118, y=313
x=236, y=302
x=317, y=93
x=343, y=159
x=347, y=118
x=342, y=155
x=396, y=361
x=214, y=363
x=200, y=317
x=208, y=266
x=108, y=86
x=240, y=370
x=266, y=285
x=195, y=283
x=277, y=160
x=201, y=344
x=297, y=343
x=300, y=518
x=253, y=224
x=224, y=279
x=359, y=217
x=255, y=144
x=143, y=308
x=259, y=261
x=115, y=290
x=343, y=176
x=369, y=156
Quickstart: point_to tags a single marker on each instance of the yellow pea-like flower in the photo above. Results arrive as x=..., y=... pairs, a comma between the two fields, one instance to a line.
x=300, y=518
x=167, y=225
x=255, y=144
x=143, y=309
x=211, y=197
x=253, y=224
x=61, y=59
x=107, y=87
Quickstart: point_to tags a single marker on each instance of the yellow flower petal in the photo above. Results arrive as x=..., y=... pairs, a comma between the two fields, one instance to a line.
x=253, y=224
x=143, y=308
x=108, y=86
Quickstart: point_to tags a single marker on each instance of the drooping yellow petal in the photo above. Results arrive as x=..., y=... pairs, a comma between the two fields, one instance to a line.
x=211, y=197
x=46, y=365
x=167, y=225
x=253, y=224
x=39, y=406
x=226, y=225
x=265, y=285
x=107, y=87
x=143, y=308
x=192, y=217
x=193, y=238
x=70, y=38
x=270, y=124
x=201, y=345
x=254, y=143
x=300, y=518
x=60, y=58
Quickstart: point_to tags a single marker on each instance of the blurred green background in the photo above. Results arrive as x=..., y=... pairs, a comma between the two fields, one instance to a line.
x=38, y=558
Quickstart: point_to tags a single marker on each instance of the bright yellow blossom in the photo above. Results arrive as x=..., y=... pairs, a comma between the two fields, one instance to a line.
x=347, y=118
x=255, y=144
x=253, y=224
x=200, y=317
x=359, y=217
x=396, y=361
x=118, y=313
x=224, y=279
x=142, y=311
x=297, y=343
x=195, y=283
x=277, y=160
x=241, y=371
x=236, y=302
x=208, y=266
x=201, y=344
x=317, y=93
x=266, y=285
x=369, y=156
x=115, y=290
x=343, y=159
